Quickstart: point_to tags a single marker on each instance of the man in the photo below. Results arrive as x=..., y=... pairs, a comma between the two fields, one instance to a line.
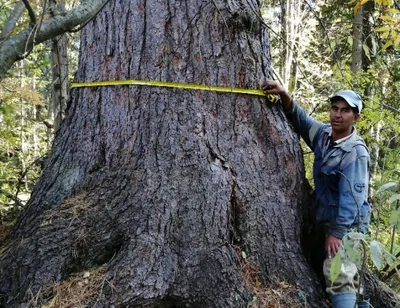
x=341, y=167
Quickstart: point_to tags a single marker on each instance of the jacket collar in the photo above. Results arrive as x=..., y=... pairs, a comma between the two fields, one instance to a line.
x=347, y=143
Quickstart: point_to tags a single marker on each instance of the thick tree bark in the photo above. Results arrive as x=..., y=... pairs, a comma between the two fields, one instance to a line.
x=382, y=295
x=159, y=191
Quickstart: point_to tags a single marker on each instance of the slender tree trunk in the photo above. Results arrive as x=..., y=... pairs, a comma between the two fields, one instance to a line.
x=357, y=51
x=283, y=42
x=369, y=91
x=23, y=116
x=288, y=22
x=292, y=14
x=368, y=33
x=60, y=82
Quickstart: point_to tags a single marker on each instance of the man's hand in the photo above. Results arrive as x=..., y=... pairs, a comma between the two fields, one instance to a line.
x=274, y=88
x=332, y=245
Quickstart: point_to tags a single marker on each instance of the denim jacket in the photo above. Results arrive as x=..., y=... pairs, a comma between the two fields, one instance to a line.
x=341, y=173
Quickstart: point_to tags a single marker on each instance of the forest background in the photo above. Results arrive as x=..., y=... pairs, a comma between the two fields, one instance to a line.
x=317, y=47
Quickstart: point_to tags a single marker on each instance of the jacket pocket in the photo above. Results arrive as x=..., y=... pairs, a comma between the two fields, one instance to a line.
x=326, y=214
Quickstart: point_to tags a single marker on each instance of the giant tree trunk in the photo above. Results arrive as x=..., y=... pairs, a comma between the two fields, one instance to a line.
x=156, y=192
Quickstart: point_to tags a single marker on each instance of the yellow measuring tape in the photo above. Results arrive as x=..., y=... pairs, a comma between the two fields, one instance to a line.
x=270, y=97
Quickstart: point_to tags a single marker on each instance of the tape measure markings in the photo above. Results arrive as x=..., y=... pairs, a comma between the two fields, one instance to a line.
x=270, y=97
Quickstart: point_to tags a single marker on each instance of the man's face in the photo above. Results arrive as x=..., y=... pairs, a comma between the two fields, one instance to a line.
x=342, y=117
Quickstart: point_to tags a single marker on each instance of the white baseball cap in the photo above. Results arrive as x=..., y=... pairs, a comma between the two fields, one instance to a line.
x=351, y=97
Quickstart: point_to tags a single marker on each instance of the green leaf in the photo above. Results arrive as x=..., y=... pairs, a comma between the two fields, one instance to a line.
x=394, y=217
x=356, y=236
x=393, y=11
x=396, y=71
x=394, y=198
x=376, y=253
x=386, y=18
x=388, y=43
x=385, y=35
x=387, y=186
x=388, y=258
x=352, y=254
x=244, y=256
x=366, y=51
x=335, y=267
x=350, y=41
x=383, y=29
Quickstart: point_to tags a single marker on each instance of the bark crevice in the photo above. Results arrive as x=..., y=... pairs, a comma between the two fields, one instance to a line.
x=234, y=217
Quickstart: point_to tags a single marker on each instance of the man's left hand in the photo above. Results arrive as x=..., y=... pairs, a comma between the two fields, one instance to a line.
x=332, y=245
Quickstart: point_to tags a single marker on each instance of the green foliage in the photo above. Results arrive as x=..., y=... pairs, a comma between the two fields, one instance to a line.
x=376, y=253
x=355, y=250
x=23, y=138
x=336, y=264
x=396, y=71
x=5, y=10
x=394, y=198
x=394, y=219
x=387, y=186
x=24, y=111
x=352, y=253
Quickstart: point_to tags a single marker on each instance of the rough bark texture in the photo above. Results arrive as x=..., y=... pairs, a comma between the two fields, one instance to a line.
x=381, y=294
x=159, y=189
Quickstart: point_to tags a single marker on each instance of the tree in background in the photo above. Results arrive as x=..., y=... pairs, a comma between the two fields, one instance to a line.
x=60, y=76
x=17, y=43
x=26, y=109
